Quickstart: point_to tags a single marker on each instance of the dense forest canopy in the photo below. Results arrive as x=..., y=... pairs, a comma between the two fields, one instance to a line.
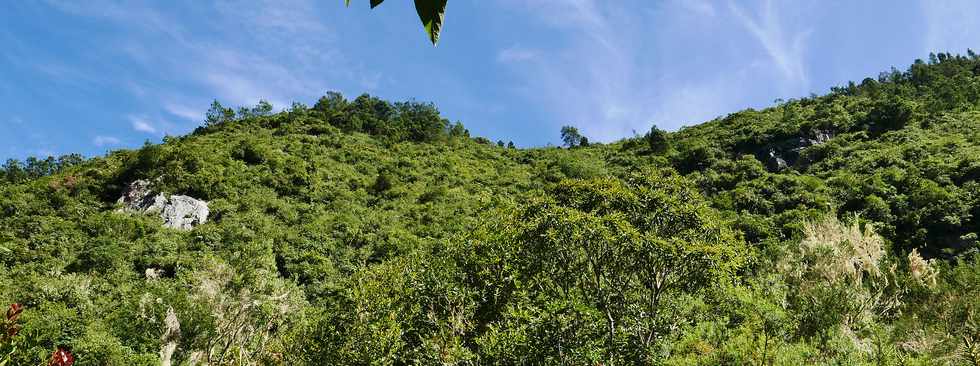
x=834, y=229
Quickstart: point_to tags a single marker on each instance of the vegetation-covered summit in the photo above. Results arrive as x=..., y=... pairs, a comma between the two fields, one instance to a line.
x=835, y=229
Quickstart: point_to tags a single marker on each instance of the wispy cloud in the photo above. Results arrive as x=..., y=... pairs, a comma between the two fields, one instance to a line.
x=785, y=48
x=515, y=54
x=142, y=124
x=42, y=153
x=615, y=73
x=697, y=102
x=183, y=111
x=142, y=17
x=951, y=25
x=595, y=81
x=700, y=7
x=279, y=51
x=102, y=141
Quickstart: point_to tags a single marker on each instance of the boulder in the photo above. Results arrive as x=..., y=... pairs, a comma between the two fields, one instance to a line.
x=183, y=212
x=782, y=154
x=177, y=212
x=776, y=163
x=820, y=136
x=816, y=137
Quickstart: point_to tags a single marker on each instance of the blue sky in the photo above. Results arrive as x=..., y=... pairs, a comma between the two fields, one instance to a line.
x=92, y=76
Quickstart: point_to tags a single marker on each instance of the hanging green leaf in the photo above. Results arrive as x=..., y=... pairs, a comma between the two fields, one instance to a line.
x=432, y=13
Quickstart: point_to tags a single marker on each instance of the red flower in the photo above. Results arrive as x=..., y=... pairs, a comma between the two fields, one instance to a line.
x=14, y=311
x=61, y=357
x=9, y=326
x=12, y=330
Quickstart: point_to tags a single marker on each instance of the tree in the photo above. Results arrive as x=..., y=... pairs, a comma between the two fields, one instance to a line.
x=457, y=130
x=13, y=171
x=893, y=113
x=591, y=273
x=431, y=13
x=570, y=136
x=218, y=114
x=264, y=108
x=414, y=121
x=657, y=139
x=332, y=102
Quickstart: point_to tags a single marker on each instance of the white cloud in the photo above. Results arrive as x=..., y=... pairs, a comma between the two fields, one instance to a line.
x=183, y=111
x=143, y=17
x=101, y=141
x=699, y=7
x=142, y=124
x=614, y=67
x=951, y=25
x=785, y=48
x=279, y=51
x=515, y=54
x=594, y=82
x=242, y=79
x=277, y=18
x=42, y=153
x=370, y=80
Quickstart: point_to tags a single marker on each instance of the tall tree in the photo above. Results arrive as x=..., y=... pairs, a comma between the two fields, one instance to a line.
x=571, y=137
x=588, y=272
x=657, y=139
x=218, y=114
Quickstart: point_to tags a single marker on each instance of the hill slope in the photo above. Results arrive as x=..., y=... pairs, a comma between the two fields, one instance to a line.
x=363, y=231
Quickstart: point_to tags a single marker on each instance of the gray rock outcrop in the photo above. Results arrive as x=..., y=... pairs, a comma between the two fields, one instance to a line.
x=816, y=137
x=776, y=162
x=783, y=154
x=177, y=212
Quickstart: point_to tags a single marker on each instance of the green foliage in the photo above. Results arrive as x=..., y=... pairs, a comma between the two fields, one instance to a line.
x=403, y=121
x=588, y=275
x=15, y=171
x=837, y=229
x=572, y=138
x=657, y=140
x=431, y=12
x=218, y=115
x=893, y=149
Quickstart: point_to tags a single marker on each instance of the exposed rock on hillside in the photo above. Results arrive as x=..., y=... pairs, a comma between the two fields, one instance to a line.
x=819, y=137
x=177, y=212
x=783, y=154
x=775, y=163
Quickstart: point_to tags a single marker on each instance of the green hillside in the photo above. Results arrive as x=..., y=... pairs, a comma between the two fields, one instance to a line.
x=835, y=229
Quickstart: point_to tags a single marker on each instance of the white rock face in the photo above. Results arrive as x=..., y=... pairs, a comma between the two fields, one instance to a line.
x=177, y=212
x=183, y=212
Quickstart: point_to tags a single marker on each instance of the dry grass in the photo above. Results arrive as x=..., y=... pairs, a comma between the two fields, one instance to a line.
x=841, y=265
x=247, y=320
x=169, y=338
x=923, y=270
x=842, y=252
